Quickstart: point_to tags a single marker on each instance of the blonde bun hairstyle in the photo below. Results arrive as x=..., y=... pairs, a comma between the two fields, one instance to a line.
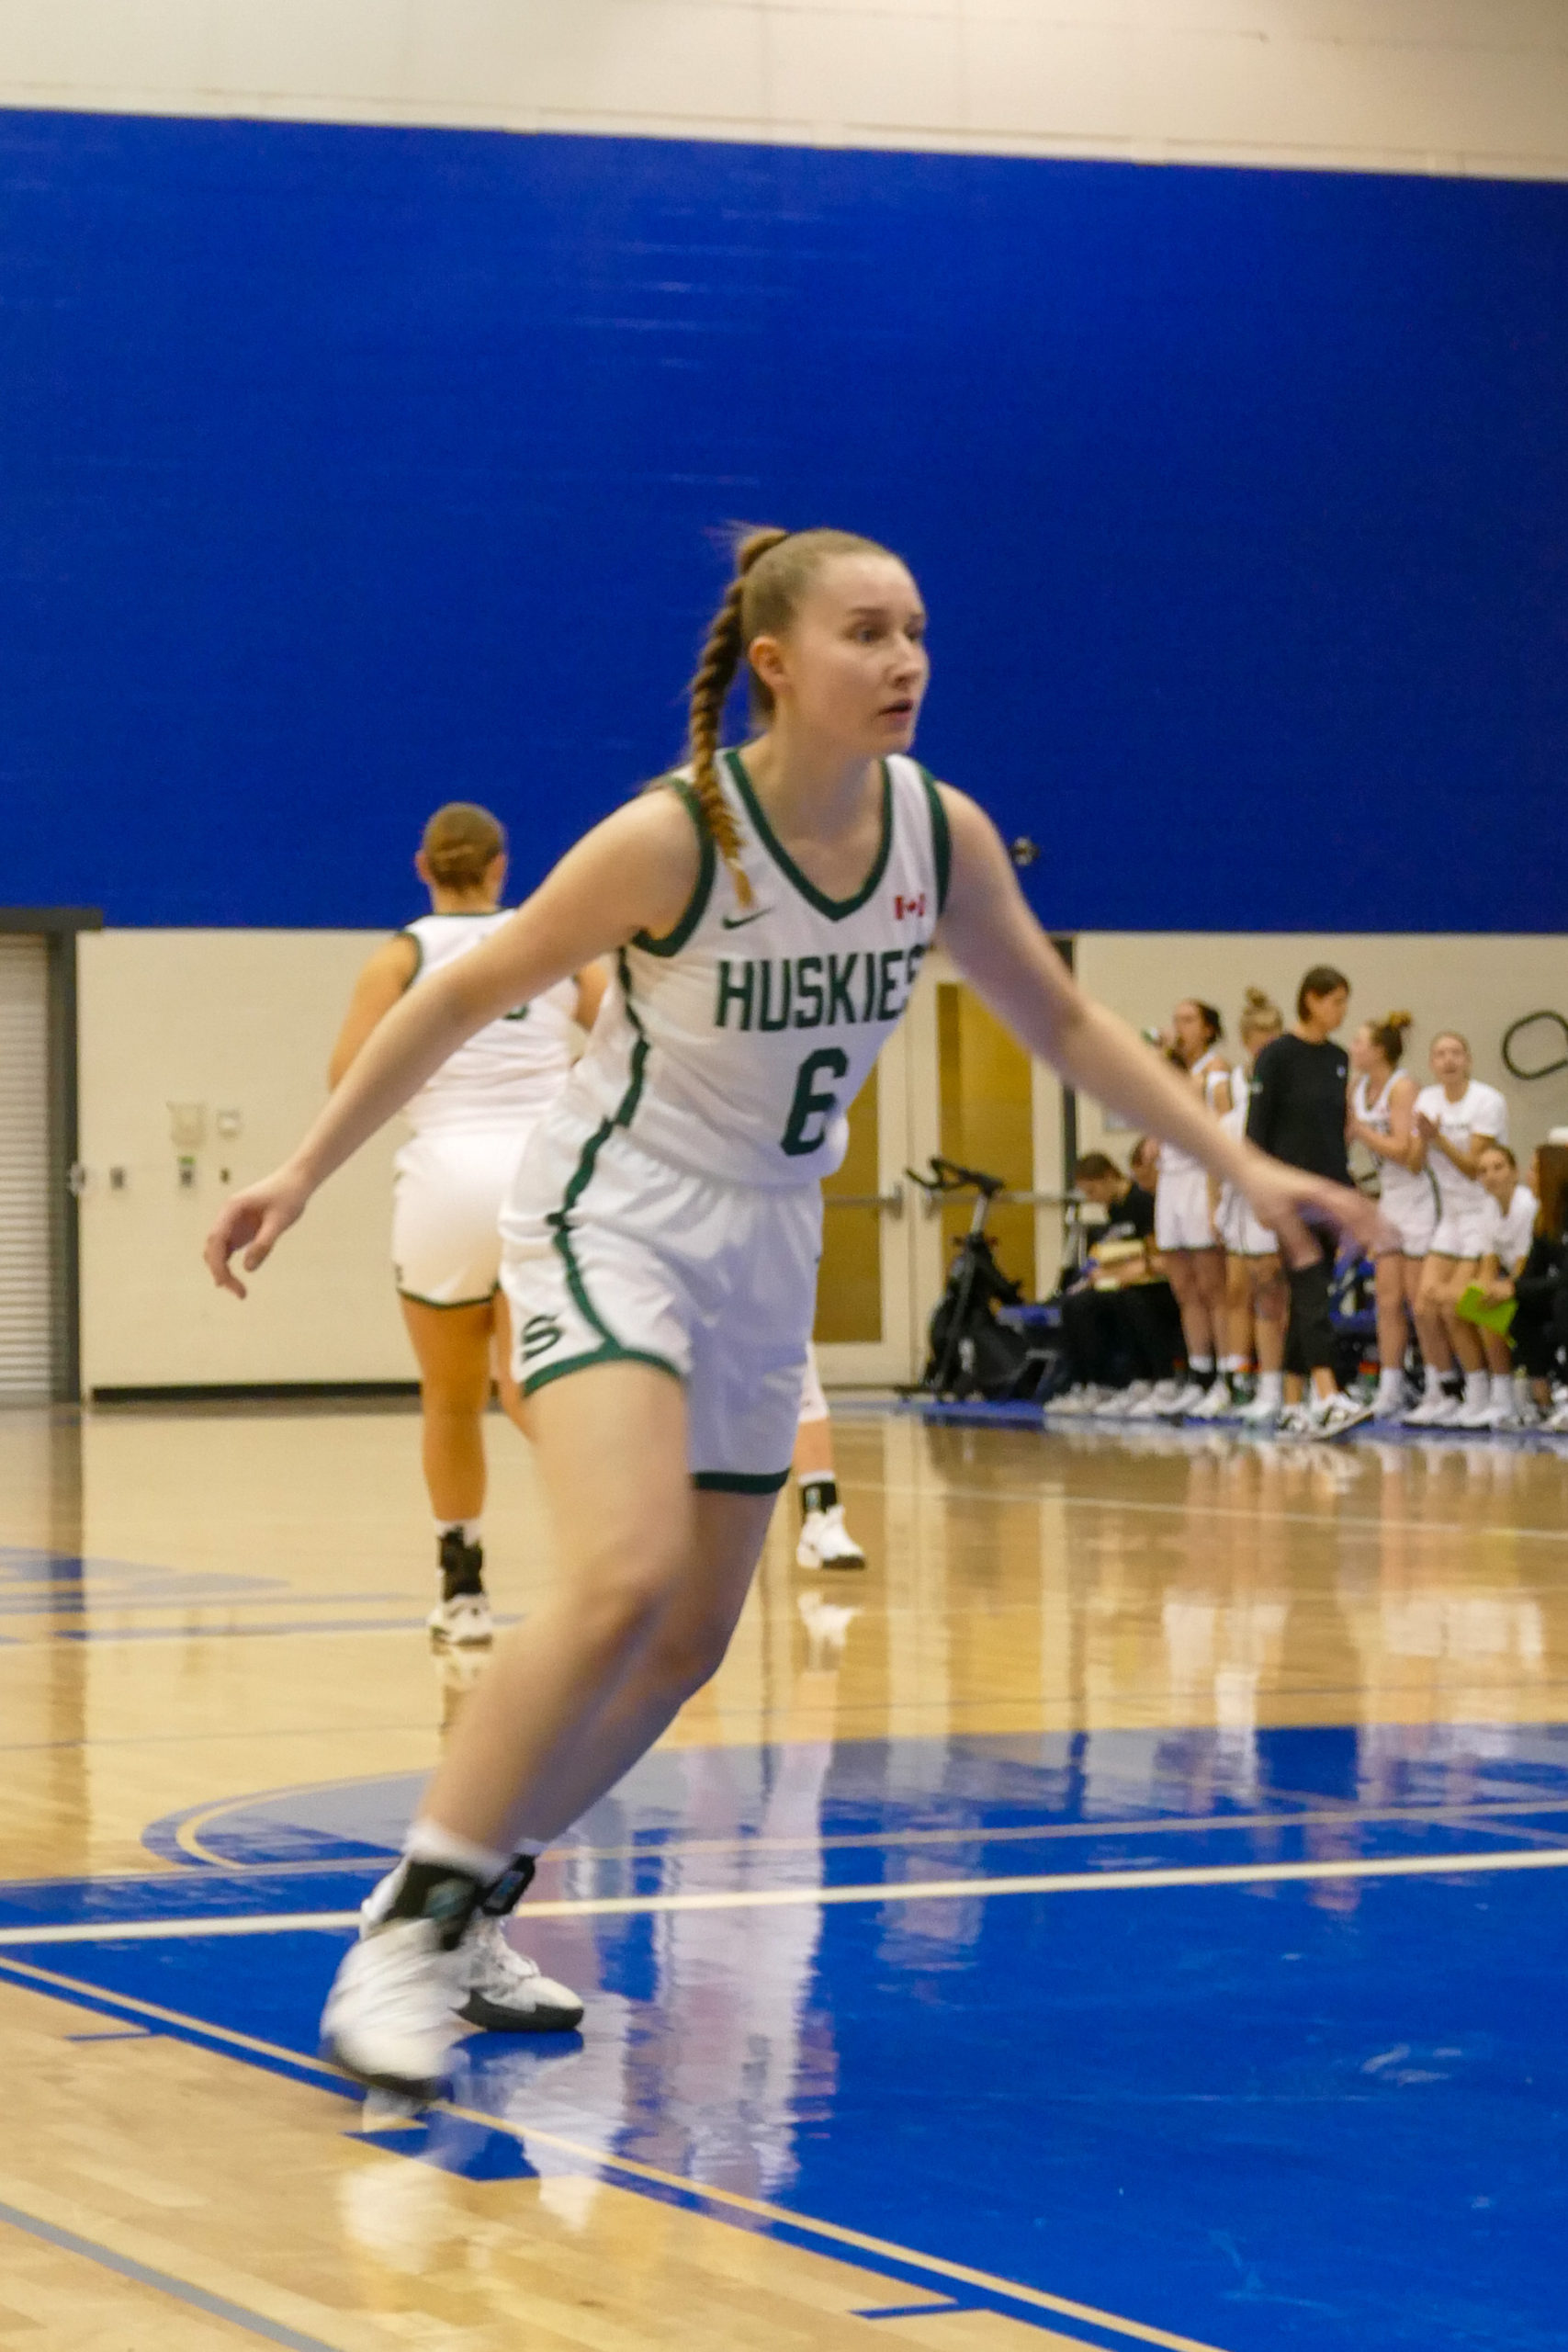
x=462, y=842
x=1260, y=1016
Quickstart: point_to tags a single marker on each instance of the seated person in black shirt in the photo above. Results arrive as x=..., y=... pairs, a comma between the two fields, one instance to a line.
x=1119, y=1323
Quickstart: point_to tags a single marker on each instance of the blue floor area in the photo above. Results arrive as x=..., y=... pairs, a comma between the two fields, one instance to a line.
x=1280, y=2113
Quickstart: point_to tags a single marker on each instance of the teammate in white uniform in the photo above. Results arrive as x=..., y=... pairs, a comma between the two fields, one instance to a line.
x=1184, y=1225
x=470, y=1120
x=1456, y=1118
x=824, y=1541
x=1383, y=1121
x=768, y=914
x=1257, y=1302
x=1507, y=1230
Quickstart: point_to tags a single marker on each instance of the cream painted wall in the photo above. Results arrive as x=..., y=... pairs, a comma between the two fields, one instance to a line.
x=1413, y=85
x=1477, y=985
x=235, y=1019
x=244, y=1020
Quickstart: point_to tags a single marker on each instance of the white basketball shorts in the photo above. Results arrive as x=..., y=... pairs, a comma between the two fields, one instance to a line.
x=1413, y=1216
x=1458, y=1232
x=1181, y=1211
x=610, y=1256
x=1240, y=1227
x=446, y=1202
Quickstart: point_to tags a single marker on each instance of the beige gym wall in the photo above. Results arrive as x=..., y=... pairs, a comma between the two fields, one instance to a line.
x=232, y=1021
x=1476, y=985
x=244, y=1021
x=1474, y=87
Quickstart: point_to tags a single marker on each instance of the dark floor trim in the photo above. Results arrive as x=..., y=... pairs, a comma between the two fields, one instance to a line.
x=260, y=1392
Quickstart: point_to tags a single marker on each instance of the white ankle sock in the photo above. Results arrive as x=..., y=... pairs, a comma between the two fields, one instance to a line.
x=468, y=1528
x=427, y=1841
x=1270, y=1387
x=1502, y=1390
x=1477, y=1389
x=1435, y=1379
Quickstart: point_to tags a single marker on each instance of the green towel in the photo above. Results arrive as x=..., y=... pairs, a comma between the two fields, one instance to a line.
x=1493, y=1316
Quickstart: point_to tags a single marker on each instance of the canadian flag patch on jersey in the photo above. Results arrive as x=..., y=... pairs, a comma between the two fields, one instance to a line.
x=902, y=907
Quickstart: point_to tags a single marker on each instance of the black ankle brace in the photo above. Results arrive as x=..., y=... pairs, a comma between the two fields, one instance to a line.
x=462, y=1566
x=505, y=1893
x=818, y=1494
x=436, y=1891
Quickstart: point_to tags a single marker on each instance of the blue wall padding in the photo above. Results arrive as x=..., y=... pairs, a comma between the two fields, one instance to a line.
x=347, y=470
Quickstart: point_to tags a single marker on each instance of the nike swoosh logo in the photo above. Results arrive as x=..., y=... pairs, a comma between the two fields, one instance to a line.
x=739, y=922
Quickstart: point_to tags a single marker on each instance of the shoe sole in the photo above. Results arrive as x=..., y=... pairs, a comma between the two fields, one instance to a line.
x=810, y=1562
x=492, y=2018
x=424, y=2091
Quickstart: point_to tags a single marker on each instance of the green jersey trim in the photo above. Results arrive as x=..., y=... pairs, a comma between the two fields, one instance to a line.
x=941, y=838
x=417, y=944
x=740, y=1482
x=447, y=1306
x=673, y=940
x=559, y=1220
x=610, y=1353
x=834, y=909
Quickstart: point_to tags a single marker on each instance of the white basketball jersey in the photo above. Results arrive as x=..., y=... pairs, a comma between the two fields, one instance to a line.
x=509, y=1071
x=1209, y=1074
x=1395, y=1184
x=735, y=1046
x=1479, y=1111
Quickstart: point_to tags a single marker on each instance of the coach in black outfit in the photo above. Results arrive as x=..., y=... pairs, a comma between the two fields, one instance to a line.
x=1297, y=1112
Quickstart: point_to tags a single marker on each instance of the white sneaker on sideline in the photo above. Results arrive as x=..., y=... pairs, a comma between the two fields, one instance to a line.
x=1081, y=1399
x=1121, y=1403
x=1434, y=1411
x=1161, y=1400
x=1475, y=1413
x=1391, y=1404
x=1214, y=1405
x=1192, y=1394
x=463, y=1620
x=1338, y=1413
x=1556, y=1421
x=826, y=1542
x=389, y=2022
x=1263, y=1413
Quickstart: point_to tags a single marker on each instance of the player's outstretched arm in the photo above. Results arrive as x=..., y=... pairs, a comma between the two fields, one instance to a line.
x=996, y=942
x=635, y=872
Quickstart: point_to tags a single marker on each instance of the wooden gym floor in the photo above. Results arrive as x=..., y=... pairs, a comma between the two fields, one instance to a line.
x=1131, y=1913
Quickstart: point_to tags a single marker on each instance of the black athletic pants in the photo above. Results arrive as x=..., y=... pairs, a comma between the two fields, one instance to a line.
x=1309, y=1341
x=1115, y=1336
x=1540, y=1333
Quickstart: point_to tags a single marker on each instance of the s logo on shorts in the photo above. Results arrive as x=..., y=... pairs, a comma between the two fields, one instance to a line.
x=538, y=1336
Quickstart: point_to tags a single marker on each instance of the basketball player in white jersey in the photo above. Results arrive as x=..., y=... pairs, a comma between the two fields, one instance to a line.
x=470, y=1120
x=1456, y=1118
x=1383, y=1121
x=1256, y=1304
x=768, y=912
x=1184, y=1227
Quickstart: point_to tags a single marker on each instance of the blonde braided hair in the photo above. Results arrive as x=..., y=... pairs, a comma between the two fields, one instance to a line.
x=772, y=571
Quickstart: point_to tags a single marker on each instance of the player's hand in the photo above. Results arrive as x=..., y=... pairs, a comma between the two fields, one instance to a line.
x=1283, y=1197
x=252, y=1221
x=1426, y=1125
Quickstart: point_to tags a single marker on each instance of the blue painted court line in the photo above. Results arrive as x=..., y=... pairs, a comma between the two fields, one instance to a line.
x=215, y=2306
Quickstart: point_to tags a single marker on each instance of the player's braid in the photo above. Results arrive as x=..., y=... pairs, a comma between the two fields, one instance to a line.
x=715, y=673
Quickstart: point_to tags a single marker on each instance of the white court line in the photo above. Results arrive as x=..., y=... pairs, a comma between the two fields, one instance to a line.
x=778, y=1898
